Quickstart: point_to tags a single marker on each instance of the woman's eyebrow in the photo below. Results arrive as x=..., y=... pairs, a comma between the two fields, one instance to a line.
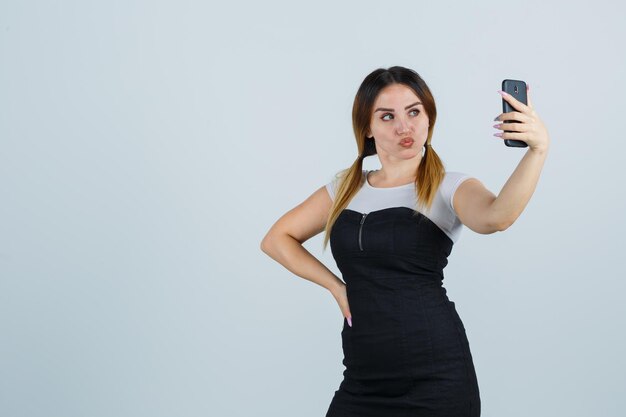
x=385, y=109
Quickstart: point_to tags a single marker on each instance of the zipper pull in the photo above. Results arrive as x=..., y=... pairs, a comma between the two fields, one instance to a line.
x=361, y=229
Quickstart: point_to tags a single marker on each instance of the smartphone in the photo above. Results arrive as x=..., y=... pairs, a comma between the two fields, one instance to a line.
x=517, y=89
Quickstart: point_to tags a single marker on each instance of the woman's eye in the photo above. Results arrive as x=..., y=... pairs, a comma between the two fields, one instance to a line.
x=389, y=114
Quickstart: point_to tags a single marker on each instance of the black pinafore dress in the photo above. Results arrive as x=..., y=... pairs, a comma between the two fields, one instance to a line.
x=407, y=353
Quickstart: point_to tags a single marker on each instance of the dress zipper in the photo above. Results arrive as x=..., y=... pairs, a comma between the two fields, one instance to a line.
x=361, y=230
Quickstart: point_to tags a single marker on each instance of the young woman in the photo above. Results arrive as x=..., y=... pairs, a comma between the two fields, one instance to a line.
x=391, y=230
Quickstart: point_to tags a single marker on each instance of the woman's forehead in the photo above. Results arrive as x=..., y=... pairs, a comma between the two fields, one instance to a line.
x=396, y=95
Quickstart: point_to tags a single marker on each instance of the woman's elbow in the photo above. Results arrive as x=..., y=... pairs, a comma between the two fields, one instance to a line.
x=266, y=244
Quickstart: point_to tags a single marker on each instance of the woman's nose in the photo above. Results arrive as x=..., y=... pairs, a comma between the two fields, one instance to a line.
x=402, y=126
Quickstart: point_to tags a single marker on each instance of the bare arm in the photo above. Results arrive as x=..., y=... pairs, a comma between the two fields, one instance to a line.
x=518, y=189
x=478, y=208
x=283, y=242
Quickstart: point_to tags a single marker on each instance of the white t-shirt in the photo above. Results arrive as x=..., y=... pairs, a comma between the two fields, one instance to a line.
x=441, y=213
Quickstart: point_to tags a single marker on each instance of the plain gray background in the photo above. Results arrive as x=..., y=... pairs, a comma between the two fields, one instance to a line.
x=147, y=147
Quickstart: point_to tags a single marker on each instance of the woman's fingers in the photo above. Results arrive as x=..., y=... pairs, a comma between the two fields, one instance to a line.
x=530, y=128
x=513, y=115
x=516, y=136
x=517, y=105
x=515, y=127
x=345, y=309
x=341, y=296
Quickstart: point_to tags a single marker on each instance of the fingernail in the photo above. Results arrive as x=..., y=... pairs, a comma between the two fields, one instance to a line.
x=496, y=119
x=497, y=125
x=502, y=93
x=498, y=134
x=350, y=321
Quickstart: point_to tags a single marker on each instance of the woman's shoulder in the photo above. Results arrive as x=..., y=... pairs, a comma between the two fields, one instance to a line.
x=336, y=178
x=454, y=174
x=451, y=181
x=454, y=178
x=339, y=175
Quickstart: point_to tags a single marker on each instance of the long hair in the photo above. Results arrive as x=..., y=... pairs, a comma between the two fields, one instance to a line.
x=430, y=171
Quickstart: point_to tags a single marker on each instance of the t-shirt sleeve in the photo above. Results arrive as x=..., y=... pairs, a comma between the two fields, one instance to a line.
x=331, y=187
x=450, y=185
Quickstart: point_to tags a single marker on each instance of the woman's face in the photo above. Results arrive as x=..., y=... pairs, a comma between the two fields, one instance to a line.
x=398, y=114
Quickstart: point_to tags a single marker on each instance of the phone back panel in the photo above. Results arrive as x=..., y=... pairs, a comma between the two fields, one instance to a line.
x=517, y=89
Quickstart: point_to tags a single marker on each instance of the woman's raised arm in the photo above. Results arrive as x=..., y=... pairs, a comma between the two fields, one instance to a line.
x=475, y=205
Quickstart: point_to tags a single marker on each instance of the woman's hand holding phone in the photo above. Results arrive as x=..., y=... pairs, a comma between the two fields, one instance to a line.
x=522, y=126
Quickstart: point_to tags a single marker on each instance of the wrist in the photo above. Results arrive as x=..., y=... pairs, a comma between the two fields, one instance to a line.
x=539, y=150
x=336, y=286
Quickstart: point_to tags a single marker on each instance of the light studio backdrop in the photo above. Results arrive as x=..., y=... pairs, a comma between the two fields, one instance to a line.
x=147, y=147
